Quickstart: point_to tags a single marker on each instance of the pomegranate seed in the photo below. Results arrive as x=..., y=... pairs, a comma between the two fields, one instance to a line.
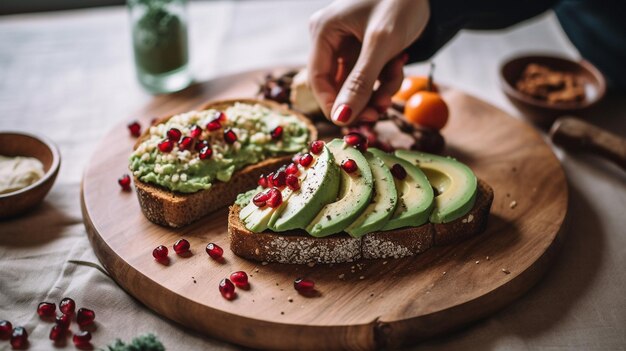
x=317, y=146
x=64, y=321
x=220, y=116
x=240, y=279
x=5, y=329
x=349, y=165
x=305, y=160
x=134, y=128
x=262, y=181
x=160, y=252
x=57, y=333
x=261, y=198
x=214, y=251
x=19, y=338
x=206, y=153
x=269, y=178
x=82, y=338
x=275, y=199
x=356, y=140
x=296, y=158
x=181, y=246
x=166, y=145
x=292, y=182
x=67, y=305
x=195, y=132
x=85, y=316
x=201, y=145
x=398, y=171
x=227, y=289
x=46, y=309
x=229, y=136
x=303, y=285
x=292, y=169
x=174, y=134
x=277, y=133
x=185, y=143
x=124, y=182
x=278, y=179
x=213, y=125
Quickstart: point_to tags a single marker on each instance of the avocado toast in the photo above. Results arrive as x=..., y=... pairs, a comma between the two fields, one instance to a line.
x=188, y=165
x=372, y=205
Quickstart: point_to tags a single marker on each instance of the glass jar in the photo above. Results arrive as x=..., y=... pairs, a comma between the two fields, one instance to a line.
x=159, y=31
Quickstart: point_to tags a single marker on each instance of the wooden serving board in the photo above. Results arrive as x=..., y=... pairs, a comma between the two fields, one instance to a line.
x=362, y=305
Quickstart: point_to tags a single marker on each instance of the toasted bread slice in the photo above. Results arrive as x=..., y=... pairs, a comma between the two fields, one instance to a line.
x=174, y=209
x=297, y=247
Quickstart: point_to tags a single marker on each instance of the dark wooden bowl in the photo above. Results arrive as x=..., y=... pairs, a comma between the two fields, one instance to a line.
x=538, y=111
x=25, y=144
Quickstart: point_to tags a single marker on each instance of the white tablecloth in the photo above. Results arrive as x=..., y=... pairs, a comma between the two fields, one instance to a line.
x=69, y=75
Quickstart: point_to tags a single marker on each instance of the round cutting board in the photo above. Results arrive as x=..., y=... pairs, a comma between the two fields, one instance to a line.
x=361, y=305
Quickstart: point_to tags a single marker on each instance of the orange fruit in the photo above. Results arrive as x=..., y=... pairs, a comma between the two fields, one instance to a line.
x=427, y=109
x=411, y=85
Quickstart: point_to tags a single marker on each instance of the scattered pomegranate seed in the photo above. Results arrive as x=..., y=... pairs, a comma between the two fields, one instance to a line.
x=181, y=246
x=124, y=182
x=57, y=333
x=303, y=285
x=214, y=251
x=317, y=146
x=206, y=153
x=174, y=134
x=296, y=158
x=201, y=145
x=185, y=143
x=305, y=160
x=262, y=181
x=134, y=128
x=278, y=179
x=227, y=289
x=85, y=316
x=64, y=321
x=240, y=279
x=277, y=133
x=213, y=125
x=292, y=182
x=46, y=309
x=292, y=169
x=261, y=198
x=19, y=338
x=166, y=145
x=349, y=165
x=269, y=178
x=5, y=329
x=229, y=136
x=398, y=171
x=275, y=199
x=220, y=116
x=81, y=339
x=160, y=253
x=356, y=140
x=195, y=132
x=67, y=305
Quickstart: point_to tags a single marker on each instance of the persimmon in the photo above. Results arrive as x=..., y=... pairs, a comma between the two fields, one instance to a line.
x=427, y=109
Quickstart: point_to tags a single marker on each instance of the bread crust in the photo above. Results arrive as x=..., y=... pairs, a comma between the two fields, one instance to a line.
x=297, y=247
x=173, y=209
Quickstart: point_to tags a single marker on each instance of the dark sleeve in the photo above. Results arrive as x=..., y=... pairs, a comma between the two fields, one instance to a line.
x=447, y=17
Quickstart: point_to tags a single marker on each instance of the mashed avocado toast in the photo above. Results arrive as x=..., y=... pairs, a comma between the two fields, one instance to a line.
x=343, y=203
x=190, y=164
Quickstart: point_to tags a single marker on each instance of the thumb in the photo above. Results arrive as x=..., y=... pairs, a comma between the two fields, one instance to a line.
x=357, y=89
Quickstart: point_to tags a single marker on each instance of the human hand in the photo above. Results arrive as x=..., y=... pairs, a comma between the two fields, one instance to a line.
x=356, y=45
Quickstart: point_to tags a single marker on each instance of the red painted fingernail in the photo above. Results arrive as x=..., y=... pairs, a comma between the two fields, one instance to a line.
x=342, y=113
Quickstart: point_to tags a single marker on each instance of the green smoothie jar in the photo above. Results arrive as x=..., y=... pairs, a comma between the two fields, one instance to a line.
x=159, y=31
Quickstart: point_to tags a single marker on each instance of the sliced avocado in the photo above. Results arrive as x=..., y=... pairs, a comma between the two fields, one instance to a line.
x=455, y=183
x=415, y=195
x=384, y=200
x=355, y=193
x=320, y=187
